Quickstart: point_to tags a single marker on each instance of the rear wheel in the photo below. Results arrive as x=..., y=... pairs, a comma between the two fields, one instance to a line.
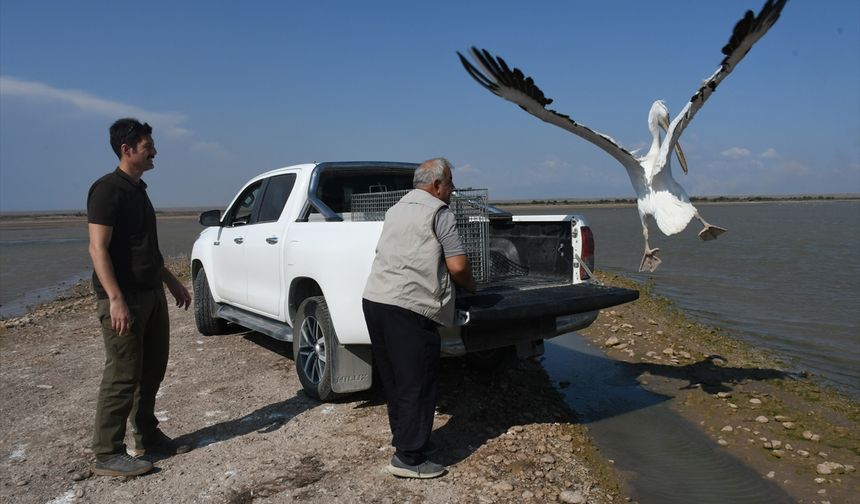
x=313, y=345
x=205, y=308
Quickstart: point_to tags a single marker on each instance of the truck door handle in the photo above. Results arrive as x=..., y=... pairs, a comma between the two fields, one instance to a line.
x=272, y=240
x=239, y=240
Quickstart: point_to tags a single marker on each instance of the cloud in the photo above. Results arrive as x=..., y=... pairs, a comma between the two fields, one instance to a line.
x=554, y=163
x=168, y=123
x=770, y=153
x=736, y=153
x=467, y=169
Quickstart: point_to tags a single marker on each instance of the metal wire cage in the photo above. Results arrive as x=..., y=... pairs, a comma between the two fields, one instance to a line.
x=469, y=207
x=373, y=205
x=473, y=223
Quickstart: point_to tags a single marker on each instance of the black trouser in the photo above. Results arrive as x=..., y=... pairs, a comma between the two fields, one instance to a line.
x=406, y=350
x=134, y=367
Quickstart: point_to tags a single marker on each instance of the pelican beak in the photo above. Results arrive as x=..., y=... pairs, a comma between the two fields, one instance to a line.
x=681, y=159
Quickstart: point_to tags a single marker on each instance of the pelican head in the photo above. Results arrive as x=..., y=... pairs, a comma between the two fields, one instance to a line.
x=658, y=117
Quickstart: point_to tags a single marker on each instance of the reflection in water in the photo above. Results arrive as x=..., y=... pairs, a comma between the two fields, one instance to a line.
x=667, y=459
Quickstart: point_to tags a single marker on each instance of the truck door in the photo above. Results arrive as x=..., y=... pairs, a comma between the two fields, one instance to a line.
x=264, y=247
x=228, y=255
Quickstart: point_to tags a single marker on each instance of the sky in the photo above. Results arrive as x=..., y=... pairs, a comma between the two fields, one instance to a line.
x=233, y=89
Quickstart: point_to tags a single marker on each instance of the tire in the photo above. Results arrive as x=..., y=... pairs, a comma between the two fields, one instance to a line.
x=313, y=344
x=205, y=308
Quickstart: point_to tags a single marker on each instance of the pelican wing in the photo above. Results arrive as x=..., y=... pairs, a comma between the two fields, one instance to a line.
x=514, y=86
x=747, y=32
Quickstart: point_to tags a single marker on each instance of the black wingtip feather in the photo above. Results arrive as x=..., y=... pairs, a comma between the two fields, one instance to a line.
x=501, y=75
x=751, y=24
x=477, y=75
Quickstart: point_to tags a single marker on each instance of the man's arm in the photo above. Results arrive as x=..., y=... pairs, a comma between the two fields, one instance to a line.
x=445, y=227
x=179, y=292
x=120, y=315
x=461, y=271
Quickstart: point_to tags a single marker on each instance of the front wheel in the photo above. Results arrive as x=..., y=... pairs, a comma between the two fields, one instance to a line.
x=313, y=346
x=205, y=308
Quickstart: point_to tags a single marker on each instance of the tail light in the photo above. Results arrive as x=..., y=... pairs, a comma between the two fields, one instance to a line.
x=587, y=256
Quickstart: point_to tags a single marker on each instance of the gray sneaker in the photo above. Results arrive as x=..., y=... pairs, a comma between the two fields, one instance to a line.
x=424, y=470
x=159, y=443
x=121, y=464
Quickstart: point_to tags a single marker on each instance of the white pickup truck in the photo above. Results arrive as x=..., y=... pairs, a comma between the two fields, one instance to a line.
x=290, y=256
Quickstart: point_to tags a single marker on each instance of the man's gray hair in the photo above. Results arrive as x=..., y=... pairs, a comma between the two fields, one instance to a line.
x=430, y=171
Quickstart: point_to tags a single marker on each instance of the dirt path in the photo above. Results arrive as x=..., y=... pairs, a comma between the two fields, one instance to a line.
x=258, y=438
x=507, y=438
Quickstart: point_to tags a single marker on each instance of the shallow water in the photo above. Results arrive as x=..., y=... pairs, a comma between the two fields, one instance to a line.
x=667, y=460
x=38, y=262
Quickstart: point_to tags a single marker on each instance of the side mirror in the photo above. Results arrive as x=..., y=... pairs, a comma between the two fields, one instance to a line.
x=210, y=218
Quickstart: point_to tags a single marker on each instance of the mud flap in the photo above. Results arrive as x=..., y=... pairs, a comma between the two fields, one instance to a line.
x=351, y=368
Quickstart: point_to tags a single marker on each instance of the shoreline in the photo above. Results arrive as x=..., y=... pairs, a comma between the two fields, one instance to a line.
x=46, y=217
x=707, y=201
x=34, y=220
x=789, y=428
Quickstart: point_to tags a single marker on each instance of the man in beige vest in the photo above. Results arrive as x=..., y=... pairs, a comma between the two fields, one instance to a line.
x=409, y=293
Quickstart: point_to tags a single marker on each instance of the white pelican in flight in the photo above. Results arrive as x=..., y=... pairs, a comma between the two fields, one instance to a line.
x=657, y=193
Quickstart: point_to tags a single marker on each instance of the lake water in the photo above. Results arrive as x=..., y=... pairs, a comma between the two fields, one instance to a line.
x=38, y=261
x=785, y=277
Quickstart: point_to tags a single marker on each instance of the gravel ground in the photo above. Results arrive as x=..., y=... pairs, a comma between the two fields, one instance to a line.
x=507, y=436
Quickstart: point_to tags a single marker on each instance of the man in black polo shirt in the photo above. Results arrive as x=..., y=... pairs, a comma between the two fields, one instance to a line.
x=132, y=309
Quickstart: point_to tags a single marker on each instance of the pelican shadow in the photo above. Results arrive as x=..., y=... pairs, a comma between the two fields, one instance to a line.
x=598, y=387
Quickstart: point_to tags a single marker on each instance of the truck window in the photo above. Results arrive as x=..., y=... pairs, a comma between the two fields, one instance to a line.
x=337, y=187
x=278, y=190
x=243, y=208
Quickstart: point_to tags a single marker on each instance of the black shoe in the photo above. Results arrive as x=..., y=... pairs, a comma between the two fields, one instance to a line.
x=424, y=470
x=158, y=443
x=121, y=464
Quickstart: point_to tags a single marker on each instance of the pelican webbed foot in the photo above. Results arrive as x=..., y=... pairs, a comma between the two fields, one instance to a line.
x=650, y=260
x=710, y=232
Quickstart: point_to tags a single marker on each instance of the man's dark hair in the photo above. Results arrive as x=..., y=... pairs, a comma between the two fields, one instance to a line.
x=127, y=131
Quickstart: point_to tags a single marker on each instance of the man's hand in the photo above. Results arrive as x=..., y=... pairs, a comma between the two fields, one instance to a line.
x=179, y=292
x=120, y=317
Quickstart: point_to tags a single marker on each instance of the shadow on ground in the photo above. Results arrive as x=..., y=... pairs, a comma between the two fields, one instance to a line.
x=600, y=388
